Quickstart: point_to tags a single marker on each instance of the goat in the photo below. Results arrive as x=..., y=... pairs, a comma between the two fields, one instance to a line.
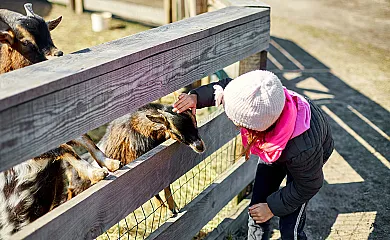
x=132, y=135
x=26, y=39
x=32, y=188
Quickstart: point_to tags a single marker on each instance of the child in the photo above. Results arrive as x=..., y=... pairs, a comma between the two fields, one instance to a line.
x=289, y=133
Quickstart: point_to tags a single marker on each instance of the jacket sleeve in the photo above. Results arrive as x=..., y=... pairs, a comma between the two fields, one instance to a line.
x=205, y=93
x=307, y=179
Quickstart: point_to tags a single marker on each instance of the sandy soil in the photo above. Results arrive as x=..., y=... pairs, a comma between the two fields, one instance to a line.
x=75, y=31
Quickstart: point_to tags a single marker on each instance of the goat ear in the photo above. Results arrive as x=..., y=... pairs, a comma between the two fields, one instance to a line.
x=158, y=118
x=6, y=38
x=52, y=24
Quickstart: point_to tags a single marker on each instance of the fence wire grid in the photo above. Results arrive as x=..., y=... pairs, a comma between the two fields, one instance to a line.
x=152, y=214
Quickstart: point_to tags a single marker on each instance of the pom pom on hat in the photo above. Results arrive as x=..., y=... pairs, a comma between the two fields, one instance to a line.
x=254, y=100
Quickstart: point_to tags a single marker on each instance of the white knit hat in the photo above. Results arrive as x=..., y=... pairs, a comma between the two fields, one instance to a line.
x=254, y=100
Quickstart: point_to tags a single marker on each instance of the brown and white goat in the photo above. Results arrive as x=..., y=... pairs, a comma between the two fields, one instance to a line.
x=132, y=135
x=25, y=40
x=32, y=188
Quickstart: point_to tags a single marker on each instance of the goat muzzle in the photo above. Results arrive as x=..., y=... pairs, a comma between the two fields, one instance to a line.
x=198, y=146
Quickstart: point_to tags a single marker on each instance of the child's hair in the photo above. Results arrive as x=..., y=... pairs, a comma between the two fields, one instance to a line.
x=253, y=136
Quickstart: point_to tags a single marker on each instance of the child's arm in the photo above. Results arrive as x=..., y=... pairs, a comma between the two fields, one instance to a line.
x=200, y=97
x=205, y=93
x=307, y=180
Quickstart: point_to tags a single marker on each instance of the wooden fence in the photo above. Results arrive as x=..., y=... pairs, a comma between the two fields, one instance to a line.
x=49, y=103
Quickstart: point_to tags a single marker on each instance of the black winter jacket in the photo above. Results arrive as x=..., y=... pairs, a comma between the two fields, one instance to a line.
x=303, y=156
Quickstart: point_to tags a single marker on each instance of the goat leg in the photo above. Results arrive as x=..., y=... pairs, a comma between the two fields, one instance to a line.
x=103, y=161
x=169, y=198
x=157, y=196
x=84, y=169
x=70, y=194
x=171, y=202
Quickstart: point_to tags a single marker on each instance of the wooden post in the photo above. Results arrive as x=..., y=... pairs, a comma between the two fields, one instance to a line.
x=174, y=10
x=79, y=6
x=180, y=9
x=200, y=7
x=254, y=62
x=168, y=11
x=263, y=60
x=192, y=7
x=71, y=5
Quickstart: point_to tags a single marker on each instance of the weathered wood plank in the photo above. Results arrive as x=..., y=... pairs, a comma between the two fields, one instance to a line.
x=109, y=201
x=69, y=96
x=47, y=77
x=232, y=223
x=204, y=207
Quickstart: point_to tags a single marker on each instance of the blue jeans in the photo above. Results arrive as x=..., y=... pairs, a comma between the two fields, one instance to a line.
x=268, y=180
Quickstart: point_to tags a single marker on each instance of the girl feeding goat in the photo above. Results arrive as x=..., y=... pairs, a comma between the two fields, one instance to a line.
x=289, y=133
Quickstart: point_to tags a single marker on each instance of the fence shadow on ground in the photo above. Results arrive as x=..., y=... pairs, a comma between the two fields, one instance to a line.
x=353, y=203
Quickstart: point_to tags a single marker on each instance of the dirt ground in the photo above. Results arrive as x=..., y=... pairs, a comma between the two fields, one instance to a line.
x=75, y=31
x=337, y=53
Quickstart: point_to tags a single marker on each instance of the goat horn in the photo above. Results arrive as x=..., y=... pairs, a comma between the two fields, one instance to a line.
x=10, y=18
x=29, y=10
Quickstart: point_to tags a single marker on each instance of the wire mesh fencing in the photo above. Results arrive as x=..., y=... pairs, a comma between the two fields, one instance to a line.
x=213, y=223
x=152, y=214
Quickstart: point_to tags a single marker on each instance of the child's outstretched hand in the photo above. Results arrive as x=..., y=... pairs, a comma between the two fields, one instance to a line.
x=184, y=102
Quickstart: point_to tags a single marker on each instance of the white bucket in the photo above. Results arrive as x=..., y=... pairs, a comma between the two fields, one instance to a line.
x=100, y=21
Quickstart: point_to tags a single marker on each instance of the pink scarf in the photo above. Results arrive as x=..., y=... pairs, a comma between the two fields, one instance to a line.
x=293, y=121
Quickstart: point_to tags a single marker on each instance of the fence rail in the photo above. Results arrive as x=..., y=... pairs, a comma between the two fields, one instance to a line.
x=107, y=202
x=71, y=95
x=208, y=203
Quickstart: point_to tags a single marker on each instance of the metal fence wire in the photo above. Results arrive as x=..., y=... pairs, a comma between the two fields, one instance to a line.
x=152, y=214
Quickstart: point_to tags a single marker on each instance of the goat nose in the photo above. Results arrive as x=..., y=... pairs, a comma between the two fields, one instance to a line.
x=199, y=146
x=58, y=53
